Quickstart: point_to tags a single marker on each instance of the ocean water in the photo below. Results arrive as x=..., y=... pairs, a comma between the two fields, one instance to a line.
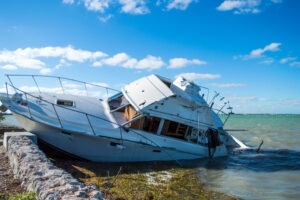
x=271, y=173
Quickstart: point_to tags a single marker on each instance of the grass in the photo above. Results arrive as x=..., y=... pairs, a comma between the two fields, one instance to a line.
x=21, y=196
x=157, y=181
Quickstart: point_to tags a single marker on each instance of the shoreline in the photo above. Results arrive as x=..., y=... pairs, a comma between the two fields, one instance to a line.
x=151, y=180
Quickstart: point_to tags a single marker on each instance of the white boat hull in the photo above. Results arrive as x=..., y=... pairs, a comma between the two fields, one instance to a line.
x=105, y=149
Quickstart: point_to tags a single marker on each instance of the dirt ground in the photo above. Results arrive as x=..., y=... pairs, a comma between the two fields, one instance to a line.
x=8, y=185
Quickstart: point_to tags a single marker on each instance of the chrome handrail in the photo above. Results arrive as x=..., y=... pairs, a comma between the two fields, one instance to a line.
x=60, y=81
x=120, y=126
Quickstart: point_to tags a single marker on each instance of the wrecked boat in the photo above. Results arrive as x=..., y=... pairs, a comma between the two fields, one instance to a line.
x=152, y=118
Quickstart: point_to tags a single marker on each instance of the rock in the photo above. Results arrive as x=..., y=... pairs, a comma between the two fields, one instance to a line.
x=39, y=175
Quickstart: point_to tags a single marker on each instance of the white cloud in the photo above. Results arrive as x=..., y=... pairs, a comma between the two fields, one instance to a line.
x=117, y=59
x=45, y=71
x=97, y=5
x=104, y=19
x=228, y=85
x=287, y=59
x=244, y=6
x=130, y=63
x=179, y=4
x=67, y=52
x=68, y=2
x=150, y=62
x=240, y=6
x=124, y=60
x=36, y=59
x=258, y=53
x=30, y=58
x=62, y=63
x=195, y=76
x=176, y=63
x=230, y=5
x=137, y=7
x=9, y=67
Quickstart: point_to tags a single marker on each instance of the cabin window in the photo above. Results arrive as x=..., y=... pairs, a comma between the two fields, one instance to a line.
x=174, y=129
x=63, y=102
x=146, y=123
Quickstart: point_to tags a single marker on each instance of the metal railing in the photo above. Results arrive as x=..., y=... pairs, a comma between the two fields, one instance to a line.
x=60, y=79
x=88, y=116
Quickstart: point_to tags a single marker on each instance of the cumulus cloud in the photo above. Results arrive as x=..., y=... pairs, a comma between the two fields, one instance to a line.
x=195, y=76
x=124, y=60
x=31, y=58
x=9, y=67
x=36, y=59
x=134, y=7
x=244, y=6
x=97, y=5
x=176, y=63
x=137, y=7
x=150, y=62
x=117, y=59
x=258, y=53
x=179, y=4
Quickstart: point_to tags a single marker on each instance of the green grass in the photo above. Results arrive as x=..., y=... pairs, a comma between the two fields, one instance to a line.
x=21, y=196
x=147, y=181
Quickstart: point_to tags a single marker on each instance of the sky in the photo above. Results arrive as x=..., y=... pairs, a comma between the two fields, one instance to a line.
x=247, y=50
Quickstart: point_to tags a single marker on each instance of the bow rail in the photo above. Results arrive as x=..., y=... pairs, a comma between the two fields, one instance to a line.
x=63, y=80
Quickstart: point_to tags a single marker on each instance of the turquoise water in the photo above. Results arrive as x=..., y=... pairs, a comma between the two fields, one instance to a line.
x=273, y=173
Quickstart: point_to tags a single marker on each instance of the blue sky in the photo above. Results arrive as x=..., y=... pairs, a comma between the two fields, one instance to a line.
x=248, y=50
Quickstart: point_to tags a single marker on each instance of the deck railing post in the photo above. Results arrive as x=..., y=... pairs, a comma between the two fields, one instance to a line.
x=36, y=84
x=62, y=88
x=11, y=83
x=90, y=123
x=57, y=116
x=28, y=105
x=6, y=89
x=87, y=93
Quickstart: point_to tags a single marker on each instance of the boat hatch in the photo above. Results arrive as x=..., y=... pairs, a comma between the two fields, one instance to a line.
x=64, y=102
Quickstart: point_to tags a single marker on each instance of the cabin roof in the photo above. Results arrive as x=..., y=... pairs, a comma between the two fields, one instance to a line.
x=145, y=91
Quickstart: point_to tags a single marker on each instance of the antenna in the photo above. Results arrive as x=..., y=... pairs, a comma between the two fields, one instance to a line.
x=213, y=99
x=225, y=103
x=228, y=115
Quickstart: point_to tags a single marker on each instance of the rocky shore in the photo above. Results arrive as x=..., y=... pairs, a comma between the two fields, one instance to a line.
x=34, y=172
x=8, y=184
x=130, y=181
